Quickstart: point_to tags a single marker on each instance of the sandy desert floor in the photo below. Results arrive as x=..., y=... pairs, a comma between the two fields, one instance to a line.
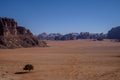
x=63, y=60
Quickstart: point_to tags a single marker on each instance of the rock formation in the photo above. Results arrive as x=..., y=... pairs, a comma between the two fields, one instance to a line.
x=14, y=36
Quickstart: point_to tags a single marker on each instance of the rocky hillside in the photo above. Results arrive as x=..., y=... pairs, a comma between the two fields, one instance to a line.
x=14, y=36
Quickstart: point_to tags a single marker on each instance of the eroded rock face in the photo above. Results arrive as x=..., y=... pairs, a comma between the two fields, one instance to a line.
x=8, y=26
x=14, y=36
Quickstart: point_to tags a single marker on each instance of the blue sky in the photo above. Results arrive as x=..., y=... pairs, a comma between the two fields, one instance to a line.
x=63, y=16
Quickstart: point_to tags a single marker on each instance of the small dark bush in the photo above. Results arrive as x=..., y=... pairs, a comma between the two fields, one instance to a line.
x=100, y=39
x=28, y=67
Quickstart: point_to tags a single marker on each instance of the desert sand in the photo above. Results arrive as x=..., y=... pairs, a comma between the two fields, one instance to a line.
x=63, y=60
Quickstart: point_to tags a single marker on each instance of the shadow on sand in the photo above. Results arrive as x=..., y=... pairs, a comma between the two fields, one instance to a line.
x=117, y=56
x=21, y=72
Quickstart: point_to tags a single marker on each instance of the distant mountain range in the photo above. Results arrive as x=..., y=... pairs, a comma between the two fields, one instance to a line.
x=72, y=36
x=114, y=33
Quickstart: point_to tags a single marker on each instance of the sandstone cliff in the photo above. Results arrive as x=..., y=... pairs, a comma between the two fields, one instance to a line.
x=14, y=36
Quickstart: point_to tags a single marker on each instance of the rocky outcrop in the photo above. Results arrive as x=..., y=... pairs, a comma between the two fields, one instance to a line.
x=8, y=26
x=14, y=36
x=114, y=33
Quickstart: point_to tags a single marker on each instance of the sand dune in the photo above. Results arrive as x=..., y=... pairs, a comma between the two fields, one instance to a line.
x=63, y=60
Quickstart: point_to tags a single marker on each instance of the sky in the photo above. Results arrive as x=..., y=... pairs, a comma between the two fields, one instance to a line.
x=63, y=16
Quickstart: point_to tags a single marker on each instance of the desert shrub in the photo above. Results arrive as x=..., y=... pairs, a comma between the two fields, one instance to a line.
x=28, y=67
x=100, y=39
